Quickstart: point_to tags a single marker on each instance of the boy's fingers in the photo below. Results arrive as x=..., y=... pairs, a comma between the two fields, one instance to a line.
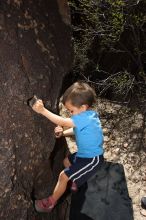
x=39, y=101
x=58, y=132
x=58, y=128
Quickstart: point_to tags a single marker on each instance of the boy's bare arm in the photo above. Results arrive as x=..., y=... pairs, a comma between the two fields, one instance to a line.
x=68, y=132
x=56, y=119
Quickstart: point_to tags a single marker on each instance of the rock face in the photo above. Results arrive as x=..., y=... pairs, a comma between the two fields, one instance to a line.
x=35, y=55
x=104, y=196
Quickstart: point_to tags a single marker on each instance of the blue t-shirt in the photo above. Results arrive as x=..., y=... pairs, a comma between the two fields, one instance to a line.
x=88, y=134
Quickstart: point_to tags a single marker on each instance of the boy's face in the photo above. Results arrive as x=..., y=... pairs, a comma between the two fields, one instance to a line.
x=74, y=110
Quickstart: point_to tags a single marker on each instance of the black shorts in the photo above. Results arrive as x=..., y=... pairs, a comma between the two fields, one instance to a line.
x=82, y=169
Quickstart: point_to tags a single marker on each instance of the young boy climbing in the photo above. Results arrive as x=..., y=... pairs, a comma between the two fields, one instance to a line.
x=85, y=125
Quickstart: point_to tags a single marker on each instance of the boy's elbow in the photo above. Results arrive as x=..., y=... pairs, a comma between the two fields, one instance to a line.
x=68, y=123
x=62, y=123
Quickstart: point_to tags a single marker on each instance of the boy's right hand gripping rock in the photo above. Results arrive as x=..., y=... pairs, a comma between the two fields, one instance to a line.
x=38, y=106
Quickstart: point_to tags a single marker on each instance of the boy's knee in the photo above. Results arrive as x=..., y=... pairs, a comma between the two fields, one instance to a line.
x=63, y=177
x=66, y=163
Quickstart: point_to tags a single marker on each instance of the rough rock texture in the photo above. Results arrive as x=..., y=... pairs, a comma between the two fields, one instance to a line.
x=104, y=196
x=35, y=55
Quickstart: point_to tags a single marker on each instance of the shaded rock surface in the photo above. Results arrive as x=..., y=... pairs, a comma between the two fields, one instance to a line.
x=105, y=196
x=35, y=55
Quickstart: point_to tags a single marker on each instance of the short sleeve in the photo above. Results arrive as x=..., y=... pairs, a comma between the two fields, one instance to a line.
x=79, y=121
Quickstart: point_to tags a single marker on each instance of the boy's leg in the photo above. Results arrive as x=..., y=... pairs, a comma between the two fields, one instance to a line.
x=60, y=186
x=69, y=160
x=47, y=204
x=66, y=162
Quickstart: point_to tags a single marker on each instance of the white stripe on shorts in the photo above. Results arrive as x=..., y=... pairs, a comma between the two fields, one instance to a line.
x=82, y=168
x=87, y=170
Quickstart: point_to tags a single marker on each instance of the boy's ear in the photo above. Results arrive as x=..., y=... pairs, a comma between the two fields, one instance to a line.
x=85, y=107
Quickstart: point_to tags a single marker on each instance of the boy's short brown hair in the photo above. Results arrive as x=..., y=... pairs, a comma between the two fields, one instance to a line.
x=79, y=93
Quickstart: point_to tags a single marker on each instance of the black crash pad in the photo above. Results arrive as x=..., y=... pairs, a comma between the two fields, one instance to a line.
x=104, y=197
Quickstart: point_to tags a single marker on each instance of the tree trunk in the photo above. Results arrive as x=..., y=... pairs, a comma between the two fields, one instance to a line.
x=35, y=55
